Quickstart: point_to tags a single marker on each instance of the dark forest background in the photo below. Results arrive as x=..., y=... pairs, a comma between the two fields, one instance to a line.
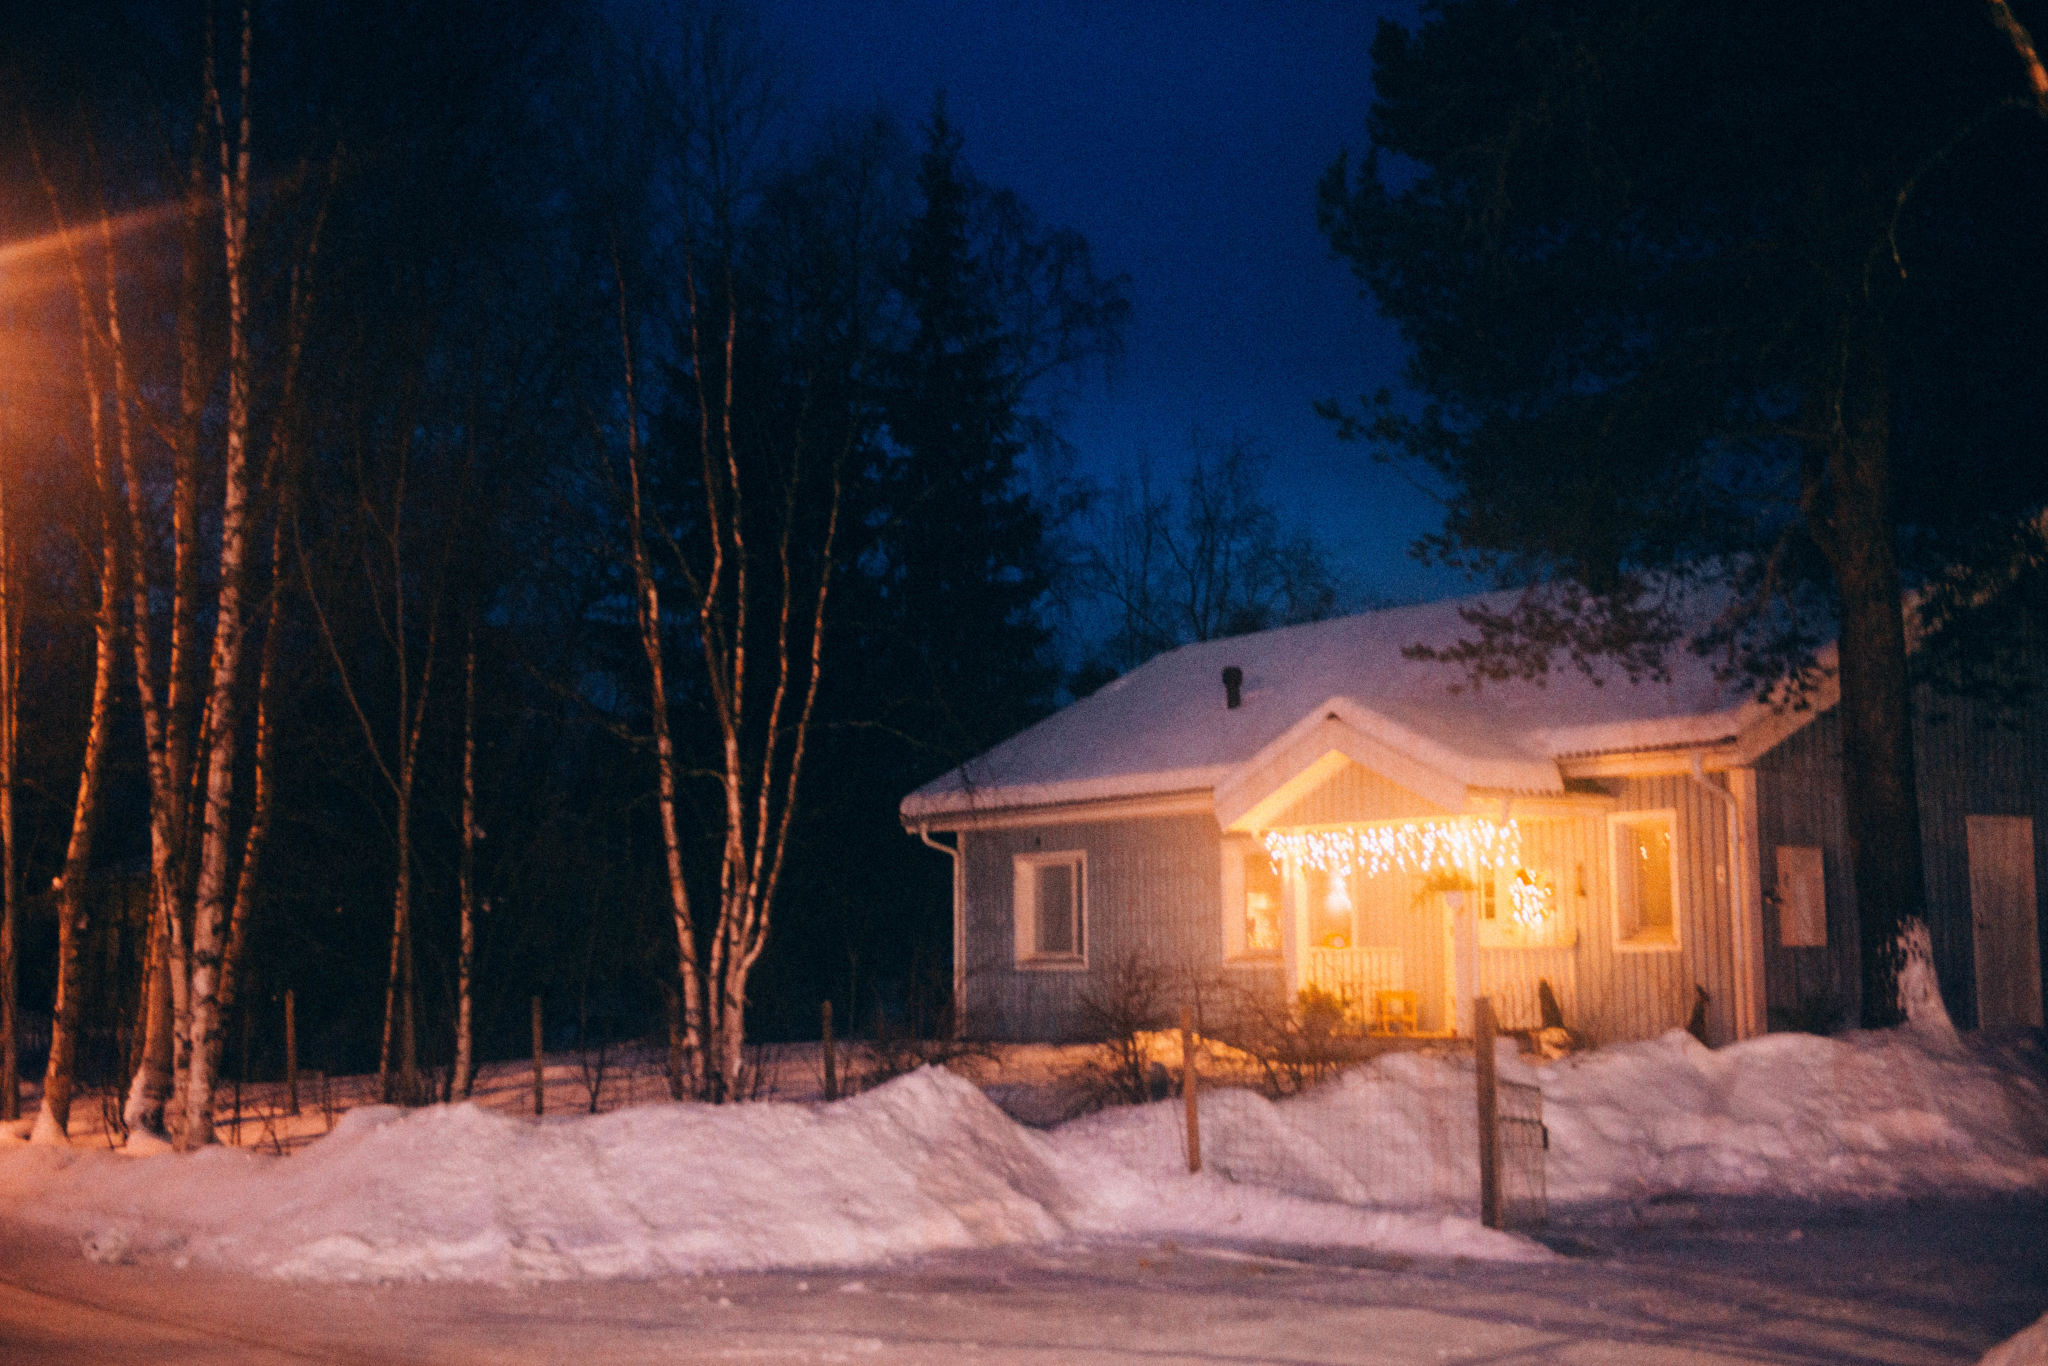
x=469, y=206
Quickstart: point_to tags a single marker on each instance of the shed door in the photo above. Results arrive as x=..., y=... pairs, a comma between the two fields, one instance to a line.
x=2002, y=915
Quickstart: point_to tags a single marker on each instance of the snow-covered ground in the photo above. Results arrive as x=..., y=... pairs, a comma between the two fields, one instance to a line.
x=1382, y=1159
x=1737, y=1283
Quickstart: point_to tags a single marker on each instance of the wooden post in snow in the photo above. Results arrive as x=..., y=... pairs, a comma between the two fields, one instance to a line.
x=831, y=1069
x=539, y=1102
x=1489, y=1112
x=291, y=1053
x=1188, y=1082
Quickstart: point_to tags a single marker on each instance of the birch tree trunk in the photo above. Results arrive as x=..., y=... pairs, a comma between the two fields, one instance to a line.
x=399, y=1034
x=221, y=726
x=258, y=834
x=151, y=1087
x=10, y=1040
x=647, y=616
x=759, y=782
x=2023, y=47
x=182, y=689
x=465, y=967
x=54, y=1119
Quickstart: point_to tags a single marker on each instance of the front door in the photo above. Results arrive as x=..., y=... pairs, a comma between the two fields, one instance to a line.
x=2003, y=921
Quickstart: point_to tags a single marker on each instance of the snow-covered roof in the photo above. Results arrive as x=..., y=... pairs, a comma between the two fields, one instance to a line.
x=1164, y=727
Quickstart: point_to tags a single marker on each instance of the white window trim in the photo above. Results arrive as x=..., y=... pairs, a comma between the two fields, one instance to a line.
x=1024, y=909
x=1638, y=943
x=1236, y=853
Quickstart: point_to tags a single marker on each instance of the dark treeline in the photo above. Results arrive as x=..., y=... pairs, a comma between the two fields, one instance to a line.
x=426, y=425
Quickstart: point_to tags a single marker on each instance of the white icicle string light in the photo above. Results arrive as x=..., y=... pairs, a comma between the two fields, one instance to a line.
x=1438, y=846
x=1530, y=897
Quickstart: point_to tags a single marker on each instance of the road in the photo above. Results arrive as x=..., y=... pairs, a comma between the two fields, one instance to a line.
x=1734, y=1283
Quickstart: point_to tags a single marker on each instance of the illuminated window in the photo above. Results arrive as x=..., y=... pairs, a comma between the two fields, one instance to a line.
x=1252, y=901
x=1332, y=917
x=1051, y=896
x=1645, y=849
x=1261, y=903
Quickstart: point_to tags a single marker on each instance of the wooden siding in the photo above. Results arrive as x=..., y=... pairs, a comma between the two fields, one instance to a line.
x=1799, y=803
x=1510, y=977
x=1355, y=793
x=1627, y=993
x=1971, y=759
x=1154, y=894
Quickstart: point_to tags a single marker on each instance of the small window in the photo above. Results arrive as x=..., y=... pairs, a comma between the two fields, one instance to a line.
x=1261, y=903
x=1645, y=879
x=1051, y=909
x=1251, y=901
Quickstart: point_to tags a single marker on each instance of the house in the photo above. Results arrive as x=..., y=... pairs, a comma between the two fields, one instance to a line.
x=1307, y=807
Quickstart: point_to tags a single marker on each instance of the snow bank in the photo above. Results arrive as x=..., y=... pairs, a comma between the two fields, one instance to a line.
x=455, y=1192
x=1868, y=1115
x=1384, y=1158
x=1873, y=1115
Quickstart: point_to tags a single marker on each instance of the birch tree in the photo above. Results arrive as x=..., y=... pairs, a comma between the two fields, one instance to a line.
x=740, y=526
x=54, y=1117
x=465, y=974
x=10, y=713
x=406, y=605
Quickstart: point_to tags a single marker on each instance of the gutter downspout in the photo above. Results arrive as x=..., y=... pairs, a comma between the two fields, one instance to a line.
x=1738, y=901
x=952, y=851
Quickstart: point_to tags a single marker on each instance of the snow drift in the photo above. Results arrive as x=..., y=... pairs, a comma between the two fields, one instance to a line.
x=922, y=1164
x=1874, y=1115
x=1384, y=1158
x=1868, y=1115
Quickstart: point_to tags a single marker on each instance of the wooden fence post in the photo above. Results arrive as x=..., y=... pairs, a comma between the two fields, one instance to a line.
x=1489, y=1112
x=1189, y=1079
x=539, y=1102
x=831, y=1064
x=291, y=1052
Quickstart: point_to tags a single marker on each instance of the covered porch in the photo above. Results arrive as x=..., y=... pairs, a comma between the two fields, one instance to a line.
x=1406, y=921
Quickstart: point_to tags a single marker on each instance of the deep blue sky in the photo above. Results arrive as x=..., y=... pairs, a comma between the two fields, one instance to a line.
x=1184, y=139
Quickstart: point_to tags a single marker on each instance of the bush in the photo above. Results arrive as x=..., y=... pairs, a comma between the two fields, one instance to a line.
x=1131, y=999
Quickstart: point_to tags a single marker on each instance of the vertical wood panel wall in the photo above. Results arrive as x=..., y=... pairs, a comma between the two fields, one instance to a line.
x=1356, y=793
x=1972, y=758
x=1640, y=993
x=1154, y=895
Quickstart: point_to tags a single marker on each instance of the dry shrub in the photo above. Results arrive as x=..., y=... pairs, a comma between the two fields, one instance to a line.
x=1131, y=999
x=896, y=1051
x=1293, y=1045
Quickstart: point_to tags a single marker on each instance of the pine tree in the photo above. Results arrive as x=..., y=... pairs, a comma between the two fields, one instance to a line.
x=965, y=551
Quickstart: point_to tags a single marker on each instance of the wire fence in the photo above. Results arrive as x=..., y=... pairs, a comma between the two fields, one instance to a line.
x=1524, y=1152
x=1400, y=1134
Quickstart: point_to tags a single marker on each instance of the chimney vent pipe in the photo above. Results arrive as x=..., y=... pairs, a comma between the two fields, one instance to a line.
x=1233, y=684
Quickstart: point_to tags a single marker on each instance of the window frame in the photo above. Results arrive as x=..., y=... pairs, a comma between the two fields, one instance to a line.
x=1237, y=855
x=1637, y=941
x=1024, y=870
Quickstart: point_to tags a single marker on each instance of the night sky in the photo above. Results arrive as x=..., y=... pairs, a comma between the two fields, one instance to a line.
x=1184, y=140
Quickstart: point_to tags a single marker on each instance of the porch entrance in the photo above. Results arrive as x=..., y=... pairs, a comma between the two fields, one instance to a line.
x=1407, y=922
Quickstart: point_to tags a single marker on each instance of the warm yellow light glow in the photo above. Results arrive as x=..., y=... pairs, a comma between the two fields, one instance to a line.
x=1457, y=844
x=33, y=264
x=1531, y=899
